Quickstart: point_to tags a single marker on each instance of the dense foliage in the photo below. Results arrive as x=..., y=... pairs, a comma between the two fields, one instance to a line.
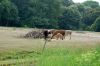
x=59, y=14
x=96, y=25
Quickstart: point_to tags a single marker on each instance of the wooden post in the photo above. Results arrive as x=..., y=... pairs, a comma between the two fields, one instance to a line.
x=44, y=45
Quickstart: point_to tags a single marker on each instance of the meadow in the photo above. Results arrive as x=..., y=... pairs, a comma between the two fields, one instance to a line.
x=82, y=50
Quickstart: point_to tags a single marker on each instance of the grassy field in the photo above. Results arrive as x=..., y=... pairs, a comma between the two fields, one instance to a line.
x=82, y=50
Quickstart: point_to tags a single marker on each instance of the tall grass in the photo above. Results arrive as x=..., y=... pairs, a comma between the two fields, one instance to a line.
x=54, y=57
x=64, y=57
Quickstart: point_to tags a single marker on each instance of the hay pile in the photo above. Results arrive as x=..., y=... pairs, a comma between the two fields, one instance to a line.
x=34, y=34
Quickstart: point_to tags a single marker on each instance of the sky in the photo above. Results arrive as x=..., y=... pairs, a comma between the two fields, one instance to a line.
x=80, y=1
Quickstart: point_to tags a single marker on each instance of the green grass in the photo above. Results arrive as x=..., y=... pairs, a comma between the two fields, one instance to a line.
x=55, y=57
x=80, y=51
x=66, y=57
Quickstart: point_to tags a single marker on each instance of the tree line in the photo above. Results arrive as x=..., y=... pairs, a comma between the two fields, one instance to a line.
x=58, y=14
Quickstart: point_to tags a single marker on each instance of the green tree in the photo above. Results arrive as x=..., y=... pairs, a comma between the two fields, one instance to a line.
x=71, y=18
x=83, y=9
x=67, y=2
x=45, y=10
x=92, y=4
x=1, y=9
x=25, y=13
x=91, y=16
x=9, y=13
x=96, y=25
